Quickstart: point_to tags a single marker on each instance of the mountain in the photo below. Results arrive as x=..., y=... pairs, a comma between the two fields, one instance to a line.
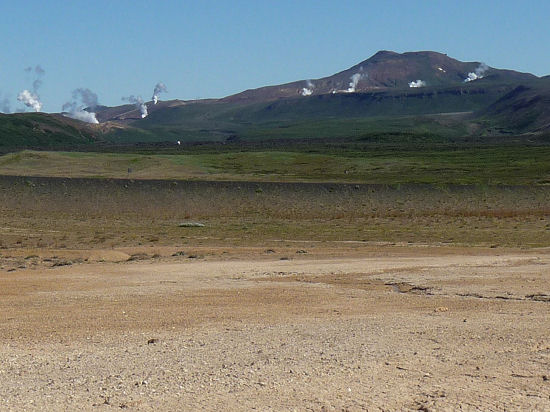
x=416, y=92
x=389, y=70
x=382, y=87
x=384, y=72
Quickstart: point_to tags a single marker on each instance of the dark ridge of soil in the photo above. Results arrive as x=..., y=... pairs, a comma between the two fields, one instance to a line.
x=228, y=198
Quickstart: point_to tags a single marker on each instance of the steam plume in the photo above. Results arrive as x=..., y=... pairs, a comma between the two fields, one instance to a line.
x=31, y=99
x=159, y=88
x=308, y=90
x=478, y=74
x=355, y=79
x=138, y=102
x=87, y=97
x=38, y=73
x=418, y=83
x=82, y=111
x=38, y=70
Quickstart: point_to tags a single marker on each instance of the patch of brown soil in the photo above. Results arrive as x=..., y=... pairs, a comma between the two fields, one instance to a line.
x=377, y=329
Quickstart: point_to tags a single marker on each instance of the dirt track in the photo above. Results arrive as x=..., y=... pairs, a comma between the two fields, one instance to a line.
x=379, y=328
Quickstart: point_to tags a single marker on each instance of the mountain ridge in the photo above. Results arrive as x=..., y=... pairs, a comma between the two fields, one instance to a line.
x=386, y=86
x=386, y=70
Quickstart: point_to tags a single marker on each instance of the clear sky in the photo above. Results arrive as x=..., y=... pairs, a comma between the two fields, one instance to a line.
x=210, y=48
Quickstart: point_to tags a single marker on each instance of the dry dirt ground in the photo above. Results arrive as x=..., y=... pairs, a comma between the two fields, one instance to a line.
x=325, y=328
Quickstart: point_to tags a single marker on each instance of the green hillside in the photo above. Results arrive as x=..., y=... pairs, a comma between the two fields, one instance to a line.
x=323, y=116
x=524, y=109
x=40, y=130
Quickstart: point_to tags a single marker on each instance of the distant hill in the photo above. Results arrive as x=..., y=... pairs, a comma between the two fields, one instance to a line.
x=128, y=113
x=41, y=130
x=389, y=92
x=524, y=109
x=383, y=87
x=388, y=70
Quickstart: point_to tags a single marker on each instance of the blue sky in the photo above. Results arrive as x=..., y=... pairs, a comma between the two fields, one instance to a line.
x=216, y=48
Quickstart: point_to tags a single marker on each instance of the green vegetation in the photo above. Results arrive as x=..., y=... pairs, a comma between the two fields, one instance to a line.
x=326, y=116
x=490, y=165
x=39, y=130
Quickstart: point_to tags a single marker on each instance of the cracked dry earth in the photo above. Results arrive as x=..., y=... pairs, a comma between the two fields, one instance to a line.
x=378, y=329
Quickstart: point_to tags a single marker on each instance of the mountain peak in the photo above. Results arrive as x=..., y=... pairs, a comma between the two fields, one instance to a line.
x=388, y=70
x=384, y=54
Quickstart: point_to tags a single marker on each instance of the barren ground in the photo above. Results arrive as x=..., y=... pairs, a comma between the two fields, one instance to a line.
x=329, y=327
x=291, y=297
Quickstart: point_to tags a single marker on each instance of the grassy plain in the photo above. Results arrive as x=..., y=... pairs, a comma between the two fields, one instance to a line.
x=489, y=165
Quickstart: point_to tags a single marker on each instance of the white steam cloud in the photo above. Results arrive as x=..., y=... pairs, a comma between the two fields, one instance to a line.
x=478, y=74
x=159, y=88
x=81, y=106
x=82, y=115
x=88, y=98
x=139, y=103
x=417, y=83
x=29, y=98
x=308, y=90
x=355, y=79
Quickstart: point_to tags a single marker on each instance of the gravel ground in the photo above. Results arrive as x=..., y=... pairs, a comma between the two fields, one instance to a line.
x=391, y=329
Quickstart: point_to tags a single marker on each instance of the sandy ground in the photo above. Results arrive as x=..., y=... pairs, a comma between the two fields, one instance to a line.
x=371, y=328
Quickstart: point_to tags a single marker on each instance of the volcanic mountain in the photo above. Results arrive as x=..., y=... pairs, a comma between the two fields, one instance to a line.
x=385, y=71
x=388, y=92
x=389, y=70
